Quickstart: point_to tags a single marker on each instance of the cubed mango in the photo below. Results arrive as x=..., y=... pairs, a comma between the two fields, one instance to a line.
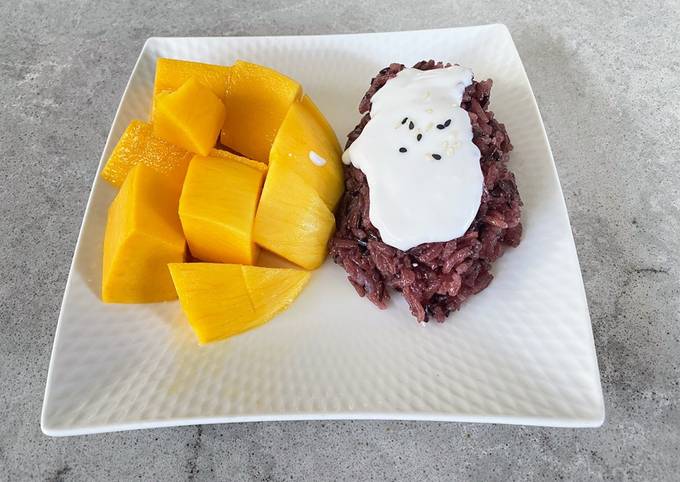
x=217, y=207
x=189, y=117
x=138, y=145
x=143, y=234
x=257, y=101
x=172, y=73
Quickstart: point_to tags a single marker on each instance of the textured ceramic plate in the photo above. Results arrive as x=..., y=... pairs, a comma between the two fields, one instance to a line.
x=520, y=352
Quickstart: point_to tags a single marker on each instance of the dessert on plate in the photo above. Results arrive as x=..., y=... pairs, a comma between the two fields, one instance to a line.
x=225, y=196
x=235, y=162
x=429, y=201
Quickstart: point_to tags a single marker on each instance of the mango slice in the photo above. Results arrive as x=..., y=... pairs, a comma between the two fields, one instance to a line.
x=306, y=145
x=222, y=300
x=138, y=145
x=190, y=117
x=311, y=107
x=217, y=207
x=143, y=234
x=292, y=220
x=172, y=73
x=257, y=101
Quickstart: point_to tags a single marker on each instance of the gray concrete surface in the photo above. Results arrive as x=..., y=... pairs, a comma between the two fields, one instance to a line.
x=607, y=79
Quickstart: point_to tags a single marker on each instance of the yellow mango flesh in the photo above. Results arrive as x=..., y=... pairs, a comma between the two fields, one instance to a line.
x=190, y=117
x=172, y=73
x=217, y=207
x=292, y=220
x=267, y=259
x=257, y=101
x=322, y=121
x=222, y=300
x=138, y=145
x=306, y=145
x=222, y=154
x=143, y=234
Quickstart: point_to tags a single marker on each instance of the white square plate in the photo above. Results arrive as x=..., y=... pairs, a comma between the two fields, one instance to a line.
x=519, y=352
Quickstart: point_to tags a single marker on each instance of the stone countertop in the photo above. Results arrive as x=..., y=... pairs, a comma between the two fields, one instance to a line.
x=607, y=80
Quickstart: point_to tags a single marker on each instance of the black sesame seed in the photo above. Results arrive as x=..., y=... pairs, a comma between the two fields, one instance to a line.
x=404, y=120
x=436, y=156
x=440, y=126
x=419, y=136
x=447, y=123
x=411, y=125
x=402, y=149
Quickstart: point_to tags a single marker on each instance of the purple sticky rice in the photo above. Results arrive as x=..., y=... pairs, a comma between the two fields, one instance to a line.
x=434, y=278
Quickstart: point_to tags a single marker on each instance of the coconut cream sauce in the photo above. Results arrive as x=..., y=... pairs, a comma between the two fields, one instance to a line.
x=417, y=154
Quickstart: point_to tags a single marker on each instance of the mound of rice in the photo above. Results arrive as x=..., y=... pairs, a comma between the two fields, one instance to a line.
x=434, y=278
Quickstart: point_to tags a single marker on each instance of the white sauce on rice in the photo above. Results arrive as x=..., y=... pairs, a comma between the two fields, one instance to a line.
x=420, y=162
